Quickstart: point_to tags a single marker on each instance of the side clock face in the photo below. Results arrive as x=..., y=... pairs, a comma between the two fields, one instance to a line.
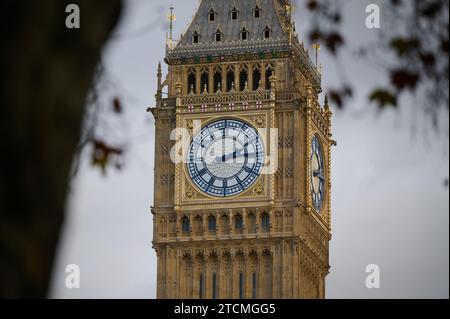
x=225, y=158
x=317, y=174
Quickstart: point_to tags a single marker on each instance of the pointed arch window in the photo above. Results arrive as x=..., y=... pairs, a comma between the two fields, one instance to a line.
x=204, y=81
x=192, y=81
x=243, y=79
x=241, y=285
x=254, y=285
x=269, y=73
x=212, y=15
x=219, y=36
x=185, y=224
x=234, y=14
x=200, y=293
x=256, y=78
x=238, y=222
x=267, y=32
x=257, y=12
x=196, y=37
x=265, y=222
x=230, y=79
x=212, y=223
x=217, y=80
x=244, y=34
x=214, y=286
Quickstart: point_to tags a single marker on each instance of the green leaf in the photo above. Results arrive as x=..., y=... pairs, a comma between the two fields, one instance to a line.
x=383, y=98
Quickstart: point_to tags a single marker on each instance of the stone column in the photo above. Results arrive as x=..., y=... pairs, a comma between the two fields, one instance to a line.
x=250, y=76
x=198, y=89
x=237, y=77
x=263, y=75
x=224, y=77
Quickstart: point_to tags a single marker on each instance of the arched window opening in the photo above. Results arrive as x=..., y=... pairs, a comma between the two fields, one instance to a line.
x=217, y=80
x=256, y=78
x=265, y=221
x=185, y=224
x=219, y=36
x=234, y=14
x=257, y=13
x=195, y=37
x=254, y=285
x=238, y=222
x=241, y=285
x=214, y=286
x=200, y=293
x=243, y=79
x=230, y=79
x=244, y=34
x=204, y=81
x=269, y=73
x=267, y=33
x=192, y=81
x=212, y=15
x=212, y=223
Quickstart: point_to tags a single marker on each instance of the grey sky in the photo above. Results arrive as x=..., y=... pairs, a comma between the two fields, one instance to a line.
x=389, y=206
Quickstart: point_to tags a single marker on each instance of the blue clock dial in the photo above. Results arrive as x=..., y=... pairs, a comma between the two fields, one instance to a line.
x=225, y=158
x=317, y=174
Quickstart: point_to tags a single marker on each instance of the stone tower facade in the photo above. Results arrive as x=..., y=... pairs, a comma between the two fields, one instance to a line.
x=259, y=230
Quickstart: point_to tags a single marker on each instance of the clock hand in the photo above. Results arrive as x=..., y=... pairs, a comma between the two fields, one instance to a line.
x=226, y=157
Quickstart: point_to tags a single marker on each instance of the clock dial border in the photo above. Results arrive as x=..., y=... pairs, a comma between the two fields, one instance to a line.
x=256, y=181
x=318, y=207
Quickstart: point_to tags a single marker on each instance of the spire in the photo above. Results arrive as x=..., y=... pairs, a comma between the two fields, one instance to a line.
x=159, y=68
x=171, y=18
x=159, y=84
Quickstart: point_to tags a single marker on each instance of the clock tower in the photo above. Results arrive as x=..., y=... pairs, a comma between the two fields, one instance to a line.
x=242, y=159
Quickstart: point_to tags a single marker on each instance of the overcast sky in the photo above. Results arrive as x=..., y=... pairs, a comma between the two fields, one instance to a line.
x=389, y=205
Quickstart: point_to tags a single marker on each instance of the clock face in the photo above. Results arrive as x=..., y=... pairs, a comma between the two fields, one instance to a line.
x=225, y=158
x=317, y=174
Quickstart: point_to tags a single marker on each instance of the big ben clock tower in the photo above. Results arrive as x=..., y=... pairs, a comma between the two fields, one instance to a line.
x=242, y=159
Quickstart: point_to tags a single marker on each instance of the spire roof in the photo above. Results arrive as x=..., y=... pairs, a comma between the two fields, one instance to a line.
x=261, y=19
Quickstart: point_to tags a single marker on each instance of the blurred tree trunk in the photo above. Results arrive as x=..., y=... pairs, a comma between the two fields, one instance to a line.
x=46, y=73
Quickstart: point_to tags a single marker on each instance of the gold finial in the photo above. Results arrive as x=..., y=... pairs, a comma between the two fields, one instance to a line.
x=171, y=18
x=316, y=46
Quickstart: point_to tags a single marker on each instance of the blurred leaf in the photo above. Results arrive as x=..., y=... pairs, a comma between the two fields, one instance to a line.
x=311, y=5
x=102, y=153
x=403, y=46
x=117, y=105
x=333, y=41
x=427, y=59
x=315, y=35
x=383, y=98
x=396, y=2
x=444, y=45
x=338, y=97
x=429, y=9
x=404, y=79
